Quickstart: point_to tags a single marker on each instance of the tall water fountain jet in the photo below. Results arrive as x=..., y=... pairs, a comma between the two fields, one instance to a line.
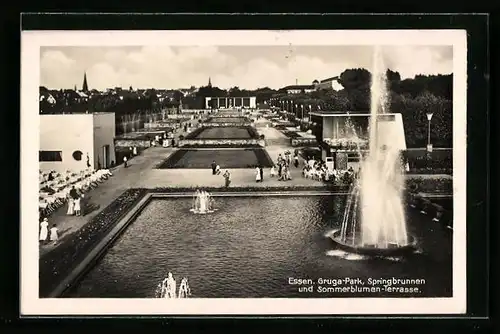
x=202, y=202
x=374, y=218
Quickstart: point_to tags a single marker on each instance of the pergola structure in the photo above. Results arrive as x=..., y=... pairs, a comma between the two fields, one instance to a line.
x=231, y=102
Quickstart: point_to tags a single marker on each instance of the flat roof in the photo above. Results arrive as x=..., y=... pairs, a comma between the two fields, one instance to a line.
x=339, y=114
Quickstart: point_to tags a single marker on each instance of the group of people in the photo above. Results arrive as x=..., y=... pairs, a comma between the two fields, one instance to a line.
x=284, y=163
x=44, y=236
x=216, y=170
x=318, y=170
x=74, y=202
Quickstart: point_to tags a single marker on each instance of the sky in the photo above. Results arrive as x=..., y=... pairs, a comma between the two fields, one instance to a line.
x=248, y=67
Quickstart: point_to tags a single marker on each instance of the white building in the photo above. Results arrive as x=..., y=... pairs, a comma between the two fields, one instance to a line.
x=329, y=84
x=334, y=132
x=74, y=141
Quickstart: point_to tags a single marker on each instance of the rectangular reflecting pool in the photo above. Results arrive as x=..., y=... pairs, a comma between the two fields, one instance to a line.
x=223, y=132
x=258, y=247
x=227, y=158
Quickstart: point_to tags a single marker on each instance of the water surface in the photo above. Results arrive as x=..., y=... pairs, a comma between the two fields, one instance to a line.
x=251, y=247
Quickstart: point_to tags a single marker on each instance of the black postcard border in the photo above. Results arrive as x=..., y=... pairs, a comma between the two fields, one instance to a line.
x=478, y=119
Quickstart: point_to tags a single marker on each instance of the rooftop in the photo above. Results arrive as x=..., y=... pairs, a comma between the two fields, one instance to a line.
x=330, y=79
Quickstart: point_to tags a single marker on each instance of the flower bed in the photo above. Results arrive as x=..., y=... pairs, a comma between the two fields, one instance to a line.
x=437, y=159
x=291, y=134
x=429, y=184
x=325, y=187
x=426, y=206
x=429, y=170
x=304, y=142
x=221, y=143
x=57, y=264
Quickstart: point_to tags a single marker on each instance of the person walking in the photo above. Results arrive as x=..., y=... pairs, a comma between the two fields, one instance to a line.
x=44, y=231
x=257, y=175
x=227, y=178
x=261, y=171
x=125, y=162
x=54, y=233
x=77, y=205
x=214, y=167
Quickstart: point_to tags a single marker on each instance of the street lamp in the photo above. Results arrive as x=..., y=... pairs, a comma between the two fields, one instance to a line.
x=429, y=145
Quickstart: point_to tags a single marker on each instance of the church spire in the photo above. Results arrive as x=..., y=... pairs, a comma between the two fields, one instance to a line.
x=85, y=87
x=209, y=82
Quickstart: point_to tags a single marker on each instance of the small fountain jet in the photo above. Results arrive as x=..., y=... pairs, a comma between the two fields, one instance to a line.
x=202, y=202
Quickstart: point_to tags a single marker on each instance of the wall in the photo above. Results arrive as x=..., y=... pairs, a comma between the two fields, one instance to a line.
x=104, y=134
x=391, y=132
x=327, y=127
x=67, y=133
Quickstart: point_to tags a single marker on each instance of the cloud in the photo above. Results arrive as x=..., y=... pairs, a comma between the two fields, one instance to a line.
x=180, y=67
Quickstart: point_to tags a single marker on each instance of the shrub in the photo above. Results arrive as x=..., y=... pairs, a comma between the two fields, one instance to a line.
x=181, y=137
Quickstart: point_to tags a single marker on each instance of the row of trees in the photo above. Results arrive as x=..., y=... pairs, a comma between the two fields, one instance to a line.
x=413, y=98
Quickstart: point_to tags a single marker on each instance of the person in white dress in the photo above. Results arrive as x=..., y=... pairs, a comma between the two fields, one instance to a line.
x=257, y=174
x=71, y=206
x=273, y=171
x=44, y=231
x=53, y=233
x=77, y=207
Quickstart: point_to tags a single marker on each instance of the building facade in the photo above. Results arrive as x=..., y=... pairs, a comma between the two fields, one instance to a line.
x=231, y=102
x=76, y=141
x=344, y=135
x=298, y=89
x=328, y=83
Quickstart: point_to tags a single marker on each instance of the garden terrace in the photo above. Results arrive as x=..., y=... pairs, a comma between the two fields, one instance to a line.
x=227, y=158
x=223, y=133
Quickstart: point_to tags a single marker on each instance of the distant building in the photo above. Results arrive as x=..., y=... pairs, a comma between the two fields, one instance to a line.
x=337, y=144
x=85, y=86
x=328, y=83
x=71, y=141
x=298, y=89
x=231, y=102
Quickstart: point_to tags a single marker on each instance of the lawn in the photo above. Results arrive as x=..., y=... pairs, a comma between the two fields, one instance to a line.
x=237, y=120
x=227, y=158
x=221, y=133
